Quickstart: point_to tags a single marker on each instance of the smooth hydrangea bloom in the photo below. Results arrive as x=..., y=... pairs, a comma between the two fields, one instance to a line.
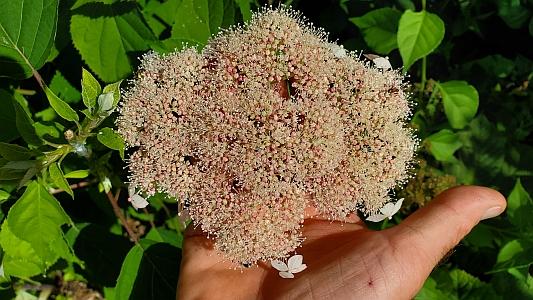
x=268, y=119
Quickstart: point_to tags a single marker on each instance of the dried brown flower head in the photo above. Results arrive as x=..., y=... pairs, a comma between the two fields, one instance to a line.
x=268, y=119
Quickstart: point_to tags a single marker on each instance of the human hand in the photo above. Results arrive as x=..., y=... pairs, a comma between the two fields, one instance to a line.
x=346, y=260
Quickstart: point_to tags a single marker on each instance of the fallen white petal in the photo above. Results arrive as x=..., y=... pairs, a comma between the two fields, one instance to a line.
x=131, y=190
x=279, y=265
x=376, y=218
x=388, y=209
x=299, y=269
x=286, y=275
x=138, y=202
x=295, y=261
x=382, y=63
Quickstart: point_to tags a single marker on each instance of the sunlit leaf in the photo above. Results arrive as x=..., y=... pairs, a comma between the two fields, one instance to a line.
x=519, y=207
x=443, y=144
x=112, y=140
x=27, y=31
x=56, y=174
x=460, y=100
x=419, y=34
x=90, y=89
x=105, y=33
x=61, y=107
x=37, y=218
x=379, y=28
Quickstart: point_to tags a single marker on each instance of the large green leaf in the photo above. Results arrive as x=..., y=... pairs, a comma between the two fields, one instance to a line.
x=197, y=20
x=519, y=207
x=443, y=144
x=64, y=89
x=172, y=237
x=14, y=152
x=27, y=31
x=25, y=125
x=19, y=259
x=460, y=100
x=455, y=284
x=150, y=271
x=37, y=218
x=7, y=117
x=419, y=34
x=379, y=29
x=105, y=34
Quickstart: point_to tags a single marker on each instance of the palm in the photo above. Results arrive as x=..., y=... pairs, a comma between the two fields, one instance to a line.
x=345, y=260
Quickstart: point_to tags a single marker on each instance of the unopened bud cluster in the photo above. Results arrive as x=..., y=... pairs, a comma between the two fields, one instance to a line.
x=268, y=119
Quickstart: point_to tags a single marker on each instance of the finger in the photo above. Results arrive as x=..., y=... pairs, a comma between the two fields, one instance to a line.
x=311, y=212
x=425, y=237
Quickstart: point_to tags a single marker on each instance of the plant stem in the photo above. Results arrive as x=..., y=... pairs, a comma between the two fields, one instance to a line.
x=423, y=4
x=72, y=186
x=423, y=77
x=118, y=212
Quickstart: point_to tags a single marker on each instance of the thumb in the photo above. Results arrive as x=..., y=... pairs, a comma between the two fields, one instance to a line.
x=423, y=239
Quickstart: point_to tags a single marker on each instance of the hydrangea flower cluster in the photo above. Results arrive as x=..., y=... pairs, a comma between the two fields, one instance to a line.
x=266, y=120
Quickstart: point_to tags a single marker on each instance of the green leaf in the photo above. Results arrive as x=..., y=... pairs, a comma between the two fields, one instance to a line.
x=379, y=29
x=111, y=139
x=519, y=207
x=514, y=254
x=513, y=13
x=4, y=196
x=101, y=251
x=20, y=259
x=27, y=31
x=419, y=34
x=244, y=7
x=443, y=144
x=163, y=235
x=56, y=174
x=25, y=125
x=105, y=33
x=78, y=174
x=461, y=102
x=14, y=152
x=37, y=218
x=61, y=107
x=90, y=89
x=7, y=117
x=150, y=271
x=63, y=89
x=113, y=88
x=197, y=20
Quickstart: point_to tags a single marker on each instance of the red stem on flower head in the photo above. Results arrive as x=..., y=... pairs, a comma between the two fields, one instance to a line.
x=282, y=87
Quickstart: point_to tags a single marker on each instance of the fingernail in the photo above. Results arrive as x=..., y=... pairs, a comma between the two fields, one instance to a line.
x=492, y=212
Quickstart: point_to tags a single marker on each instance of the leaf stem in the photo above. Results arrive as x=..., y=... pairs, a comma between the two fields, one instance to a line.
x=423, y=4
x=118, y=212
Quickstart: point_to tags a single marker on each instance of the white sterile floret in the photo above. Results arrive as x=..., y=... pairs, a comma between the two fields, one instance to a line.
x=338, y=50
x=382, y=63
x=387, y=211
x=136, y=200
x=293, y=265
